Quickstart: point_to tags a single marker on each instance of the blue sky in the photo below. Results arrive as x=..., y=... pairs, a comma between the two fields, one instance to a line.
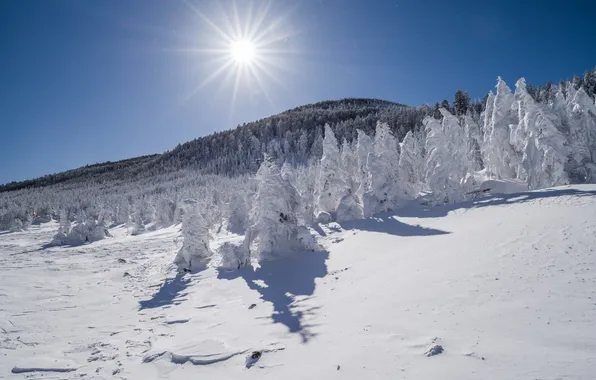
x=89, y=81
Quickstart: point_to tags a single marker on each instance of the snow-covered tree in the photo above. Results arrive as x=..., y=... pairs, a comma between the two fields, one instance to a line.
x=501, y=158
x=331, y=186
x=487, y=126
x=165, y=212
x=306, y=179
x=275, y=231
x=455, y=140
x=474, y=140
x=364, y=146
x=61, y=236
x=582, y=133
x=440, y=169
x=383, y=186
x=195, y=252
x=238, y=215
x=88, y=231
x=16, y=225
x=349, y=162
x=545, y=149
x=231, y=255
x=349, y=208
x=411, y=166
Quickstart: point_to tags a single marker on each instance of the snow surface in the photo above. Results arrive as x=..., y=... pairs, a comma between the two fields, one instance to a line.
x=506, y=285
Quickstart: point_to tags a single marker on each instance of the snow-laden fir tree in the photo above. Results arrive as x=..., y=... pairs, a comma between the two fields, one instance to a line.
x=455, y=140
x=501, y=157
x=331, y=187
x=349, y=162
x=473, y=135
x=440, y=169
x=238, y=215
x=63, y=230
x=364, y=146
x=287, y=172
x=545, y=150
x=486, y=127
x=88, y=231
x=165, y=212
x=16, y=225
x=411, y=166
x=349, y=207
x=275, y=232
x=195, y=252
x=582, y=134
x=383, y=192
x=306, y=179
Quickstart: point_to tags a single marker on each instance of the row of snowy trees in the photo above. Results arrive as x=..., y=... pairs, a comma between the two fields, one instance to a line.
x=516, y=137
x=543, y=144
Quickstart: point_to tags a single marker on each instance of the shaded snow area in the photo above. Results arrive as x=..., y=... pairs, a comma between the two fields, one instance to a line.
x=500, y=288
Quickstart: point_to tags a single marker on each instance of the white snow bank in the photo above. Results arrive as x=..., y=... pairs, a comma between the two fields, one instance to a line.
x=41, y=369
x=510, y=186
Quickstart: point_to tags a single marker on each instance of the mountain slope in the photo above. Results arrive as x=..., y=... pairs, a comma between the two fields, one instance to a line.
x=238, y=151
x=506, y=285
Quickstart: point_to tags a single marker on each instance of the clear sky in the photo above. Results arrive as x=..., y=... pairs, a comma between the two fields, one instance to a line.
x=89, y=81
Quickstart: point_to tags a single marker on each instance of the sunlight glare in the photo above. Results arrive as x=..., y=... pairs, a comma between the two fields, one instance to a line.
x=243, y=51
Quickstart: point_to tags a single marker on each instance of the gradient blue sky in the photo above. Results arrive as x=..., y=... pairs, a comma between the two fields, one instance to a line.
x=89, y=81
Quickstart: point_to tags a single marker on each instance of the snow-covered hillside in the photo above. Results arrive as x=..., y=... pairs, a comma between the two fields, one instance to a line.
x=505, y=284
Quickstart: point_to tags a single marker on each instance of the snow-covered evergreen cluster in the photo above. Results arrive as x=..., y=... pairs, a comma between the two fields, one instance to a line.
x=542, y=137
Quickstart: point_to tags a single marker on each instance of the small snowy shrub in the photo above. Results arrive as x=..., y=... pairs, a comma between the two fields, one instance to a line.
x=349, y=209
x=87, y=232
x=232, y=256
x=16, y=225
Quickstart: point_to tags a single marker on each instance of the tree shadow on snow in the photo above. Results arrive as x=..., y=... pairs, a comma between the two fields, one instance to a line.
x=169, y=293
x=420, y=211
x=386, y=223
x=280, y=281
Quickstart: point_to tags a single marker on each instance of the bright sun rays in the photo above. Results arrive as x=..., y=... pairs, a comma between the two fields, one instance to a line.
x=241, y=48
x=242, y=51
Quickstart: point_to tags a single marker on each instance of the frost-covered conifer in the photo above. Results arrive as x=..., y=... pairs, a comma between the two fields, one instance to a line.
x=195, y=252
x=439, y=168
x=411, y=166
x=364, y=146
x=501, y=158
x=545, y=149
x=383, y=191
x=331, y=186
x=275, y=232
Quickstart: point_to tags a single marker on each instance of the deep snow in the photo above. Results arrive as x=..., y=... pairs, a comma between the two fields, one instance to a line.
x=505, y=284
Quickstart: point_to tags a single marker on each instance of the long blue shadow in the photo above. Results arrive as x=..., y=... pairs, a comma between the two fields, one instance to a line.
x=282, y=280
x=169, y=292
x=419, y=211
x=387, y=224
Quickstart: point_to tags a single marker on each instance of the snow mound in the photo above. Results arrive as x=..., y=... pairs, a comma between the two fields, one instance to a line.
x=40, y=369
x=511, y=186
x=203, y=353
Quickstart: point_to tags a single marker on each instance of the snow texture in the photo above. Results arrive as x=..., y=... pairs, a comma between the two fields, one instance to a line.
x=504, y=283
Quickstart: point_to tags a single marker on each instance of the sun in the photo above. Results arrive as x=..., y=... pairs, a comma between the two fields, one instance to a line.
x=243, y=51
x=243, y=47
